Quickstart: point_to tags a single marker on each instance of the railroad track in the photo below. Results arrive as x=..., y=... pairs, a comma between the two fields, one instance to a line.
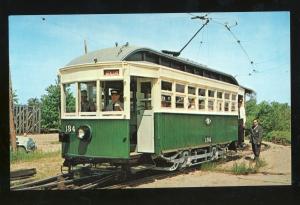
x=133, y=182
x=108, y=179
x=68, y=181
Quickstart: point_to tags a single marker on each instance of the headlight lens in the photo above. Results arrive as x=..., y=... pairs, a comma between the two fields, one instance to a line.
x=81, y=133
x=84, y=132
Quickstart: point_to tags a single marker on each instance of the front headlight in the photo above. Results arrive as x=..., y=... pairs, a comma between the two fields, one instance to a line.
x=84, y=132
x=80, y=133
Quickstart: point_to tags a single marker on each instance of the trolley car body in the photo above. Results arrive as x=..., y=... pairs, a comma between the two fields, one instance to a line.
x=170, y=105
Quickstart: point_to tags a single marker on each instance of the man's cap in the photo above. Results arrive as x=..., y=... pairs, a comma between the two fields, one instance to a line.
x=115, y=91
x=83, y=93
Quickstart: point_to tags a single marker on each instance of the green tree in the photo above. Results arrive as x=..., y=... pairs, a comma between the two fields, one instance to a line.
x=15, y=97
x=274, y=117
x=50, y=107
x=33, y=102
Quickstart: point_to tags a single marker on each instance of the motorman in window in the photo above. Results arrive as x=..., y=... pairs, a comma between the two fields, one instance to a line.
x=115, y=104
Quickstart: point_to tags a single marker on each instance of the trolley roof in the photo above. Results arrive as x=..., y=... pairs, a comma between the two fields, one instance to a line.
x=136, y=53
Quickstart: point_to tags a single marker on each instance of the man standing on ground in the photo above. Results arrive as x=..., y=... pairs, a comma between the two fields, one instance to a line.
x=256, y=138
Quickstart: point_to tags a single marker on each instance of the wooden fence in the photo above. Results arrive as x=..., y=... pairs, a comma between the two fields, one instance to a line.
x=27, y=119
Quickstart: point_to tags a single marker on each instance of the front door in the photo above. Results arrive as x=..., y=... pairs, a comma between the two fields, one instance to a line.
x=145, y=121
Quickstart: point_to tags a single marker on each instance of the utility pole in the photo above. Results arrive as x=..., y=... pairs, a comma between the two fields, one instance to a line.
x=11, y=118
x=85, y=47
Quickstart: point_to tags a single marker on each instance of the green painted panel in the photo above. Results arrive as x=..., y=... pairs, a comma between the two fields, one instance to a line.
x=173, y=131
x=110, y=139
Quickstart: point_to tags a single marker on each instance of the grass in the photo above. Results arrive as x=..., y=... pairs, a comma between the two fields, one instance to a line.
x=16, y=157
x=55, y=142
x=238, y=168
x=244, y=169
x=210, y=166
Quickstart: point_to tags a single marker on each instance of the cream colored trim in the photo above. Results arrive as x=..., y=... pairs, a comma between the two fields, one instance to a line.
x=182, y=111
x=91, y=65
x=126, y=88
x=95, y=72
x=96, y=117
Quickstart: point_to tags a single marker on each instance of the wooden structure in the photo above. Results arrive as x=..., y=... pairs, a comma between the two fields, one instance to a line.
x=12, y=131
x=27, y=119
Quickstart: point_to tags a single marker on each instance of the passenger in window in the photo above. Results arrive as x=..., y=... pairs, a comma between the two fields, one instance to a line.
x=86, y=105
x=191, y=103
x=115, y=104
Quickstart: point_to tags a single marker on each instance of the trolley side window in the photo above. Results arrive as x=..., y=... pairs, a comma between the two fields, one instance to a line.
x=70, y=97
x=201, y=92
x=219, y=95
x=191, y=102
x=227, y=96
x=179, y=88
x=166, y=86
x=233, y=103
x=179, y=102
x=201, y=98
x=201, y=104
x=233, y=106
x=165, y=100
x=233, y=97
x=220, y=106
x=211, y=93
x=87, y=96
x=226, y=106
x=210, y=105
x=191, y=90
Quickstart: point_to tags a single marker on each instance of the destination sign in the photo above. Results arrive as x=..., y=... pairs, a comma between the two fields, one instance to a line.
x=111, y=72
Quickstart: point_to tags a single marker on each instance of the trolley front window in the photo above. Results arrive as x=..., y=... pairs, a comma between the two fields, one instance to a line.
x=70, y=97
x=112, y=98
x=87, y=96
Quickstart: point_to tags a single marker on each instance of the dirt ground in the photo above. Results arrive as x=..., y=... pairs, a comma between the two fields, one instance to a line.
x=46, y=167
x=276, y=172
x=46, y=142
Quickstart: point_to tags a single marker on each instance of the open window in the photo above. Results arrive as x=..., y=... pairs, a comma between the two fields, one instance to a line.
x=201, y=98
x=112, y=98
x=191, y=105
x=87, y=96
x=179, y=103
x=165, y=100
x=166, y=96
x=70, y=97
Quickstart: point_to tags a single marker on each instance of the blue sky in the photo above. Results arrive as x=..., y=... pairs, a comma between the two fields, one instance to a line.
x=38, y=48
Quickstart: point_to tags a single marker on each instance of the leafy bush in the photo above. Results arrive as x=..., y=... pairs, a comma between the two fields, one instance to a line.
x=275, y=135
x=274, y=117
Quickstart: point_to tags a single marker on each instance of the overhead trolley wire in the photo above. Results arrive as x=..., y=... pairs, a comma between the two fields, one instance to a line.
x=234, y=36
x=228, y=28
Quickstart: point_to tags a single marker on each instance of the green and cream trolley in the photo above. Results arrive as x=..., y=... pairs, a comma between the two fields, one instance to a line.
x=174, y=112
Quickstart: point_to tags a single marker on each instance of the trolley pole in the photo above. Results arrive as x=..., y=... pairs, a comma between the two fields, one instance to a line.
x=11, y=118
